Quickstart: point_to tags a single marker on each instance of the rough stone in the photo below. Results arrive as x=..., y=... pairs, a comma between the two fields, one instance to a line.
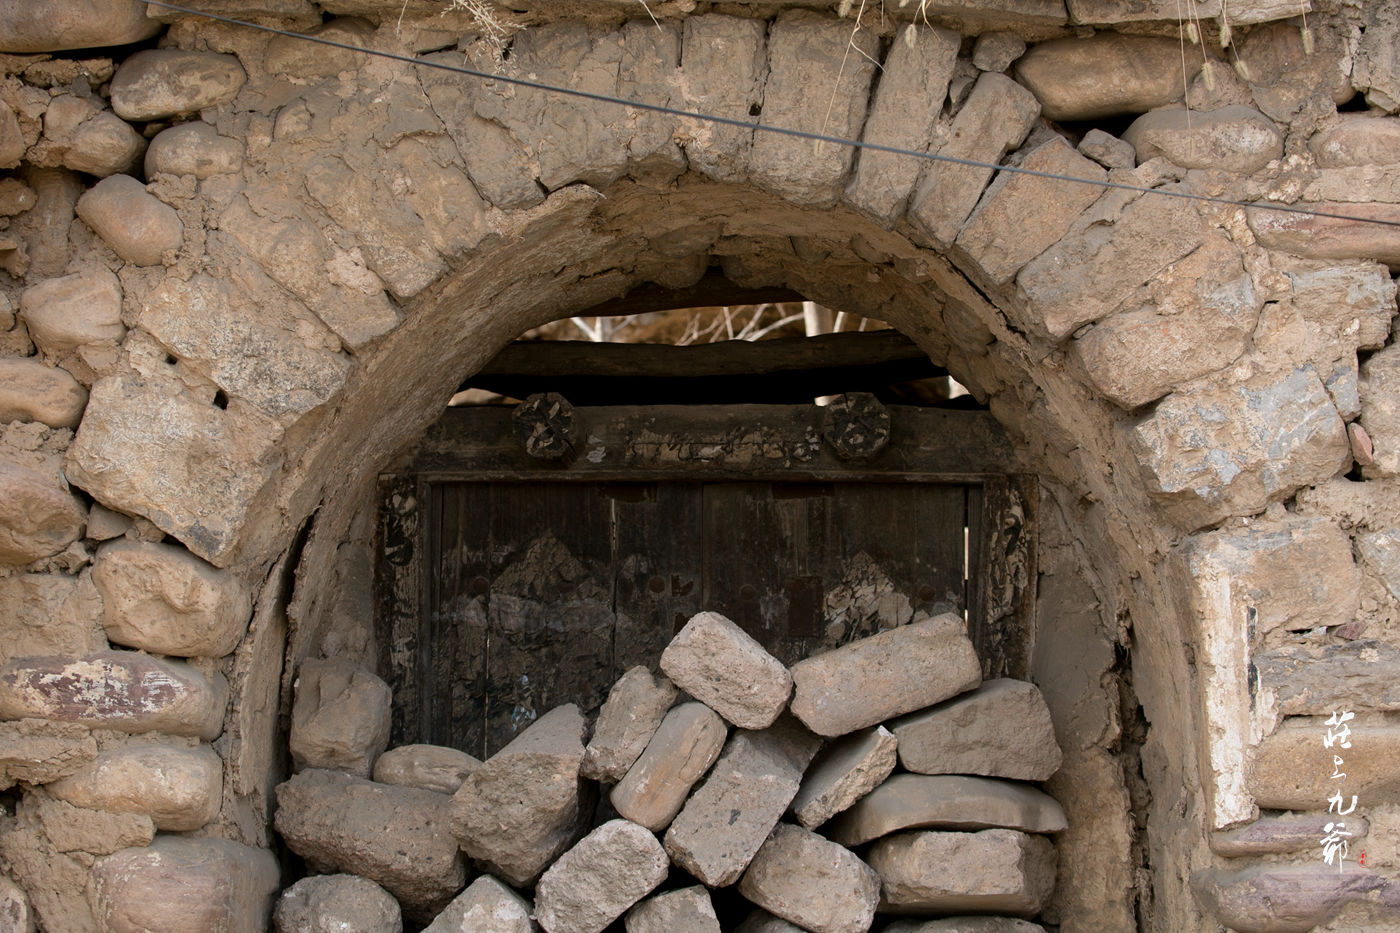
x=38, y=515
x=167, y=601
x=301, y=59
x=1216, y=451
x=1107, y=150
x=1380, y=408
x=995, y=51
x=158, y=83
x=1232, y=139
x=193, y=148
x=398, y=837
x=70, y=311
x=133, y=222
x=340, y=717
x=994, y=120
x=946, y=801
x=596, y=881
x=49, y=614
x=634, y=709
x=336, y=904
x=178, y=788
x=185, y=885
x=1020, y=216
x=686, y=744
x=520, y=809
x=431, y=767
x=1104, y=75
x=1280, y=898
x=83, y=831
x=1380, y=556
x=904, y=113
x=255, y=354
x=103, y=145
x=195, y=472
x=1348, y=236
x=648, y=71
x=56, y=882
x=886, y=675
x=1193, y=318
x=814, y=883
x=723, y=70
x=1270, y=835
x=16, y=916
x=1350, y=305
x=1287, y=77
x=1297, y=574
x=761, y=921
x=687, y=910
x=726, y=821
x=37, y=751
x=120, y=690
x=12, y=143
x=45, y=27
x=966, y=925
x=720, y=665
x=1118, y=253
x=1292, y=770
x=32, y=391
x=806, y=50
x=995, y=870
x=486, y=906
x=1001, y=729
x=1377, y=68
x=1357, y=139
x=844, y=772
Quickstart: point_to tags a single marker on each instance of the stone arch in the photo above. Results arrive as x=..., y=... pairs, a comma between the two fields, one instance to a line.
x=1169, y=366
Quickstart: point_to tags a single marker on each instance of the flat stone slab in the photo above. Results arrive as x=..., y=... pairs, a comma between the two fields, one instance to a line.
x=1281, y=898
x=1293, y=771
x=948, y=801
x=431, y=767
x=886, y=675
x=843, y=773
x=594, y=883
x=812, y=882
x=1001, y=729
x=682, y=750
x=486, y=906
x=719, y=664
x=520, y=810
x=1274, y=834
x=634, y=709
x=995, y=870
x=725, y=822
x=688, y=910
x=966, y=925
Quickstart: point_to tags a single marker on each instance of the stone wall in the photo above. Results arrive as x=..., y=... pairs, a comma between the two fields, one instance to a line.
x=241, y=274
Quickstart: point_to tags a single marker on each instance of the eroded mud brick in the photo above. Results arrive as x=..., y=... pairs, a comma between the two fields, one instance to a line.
x=886, y=675
x=726, y=821
x=682, y=750
x=1001, y=729
x=520, y=809
x=995, y=870
x=717, y=663
x=592, y=884
x=813, y=882
x=634, y=708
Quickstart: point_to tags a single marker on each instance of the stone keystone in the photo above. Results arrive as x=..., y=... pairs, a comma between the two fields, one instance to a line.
x=843, y=773
x=1001, y=729
x=592, y=884
x=996, y=871
x=816, y=884
x=688, y=742
x=726, y=821
x=634, y=708
x=520, y=809
x=885, y=675
x=718, y=664
x=120, y=690
x=167, y=601
x=946, y=801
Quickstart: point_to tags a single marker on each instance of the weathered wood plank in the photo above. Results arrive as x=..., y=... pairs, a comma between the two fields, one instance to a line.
x=456, y=619
x=658, y=533
x=721, y=442
x=399, y=599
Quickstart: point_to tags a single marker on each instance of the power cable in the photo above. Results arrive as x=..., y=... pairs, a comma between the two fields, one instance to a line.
x=779, y=130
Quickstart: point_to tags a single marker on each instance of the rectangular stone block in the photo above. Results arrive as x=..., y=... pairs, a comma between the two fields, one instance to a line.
x=688, y=910
x=843, y=773
x=635, y=706
x=993, y=871
x=592, y=884
x=726, y=821
x=886, y=675
x=815, y=883
x=720, y=665
x=654, y=790
x=1316, y=679
x=723, y=63
x=1001, y=729
x=1292, y=769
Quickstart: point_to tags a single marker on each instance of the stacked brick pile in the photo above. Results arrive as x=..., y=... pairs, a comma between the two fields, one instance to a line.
x=883, y=777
